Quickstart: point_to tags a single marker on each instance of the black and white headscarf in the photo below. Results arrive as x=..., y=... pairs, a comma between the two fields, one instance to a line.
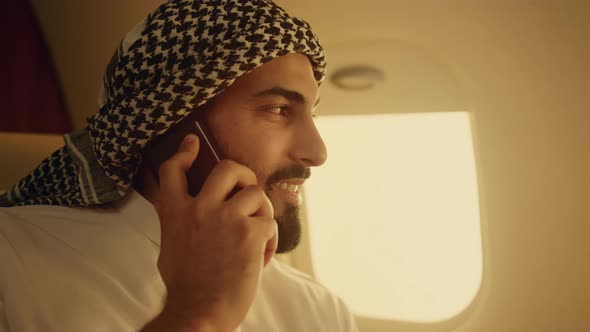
x=178, y=58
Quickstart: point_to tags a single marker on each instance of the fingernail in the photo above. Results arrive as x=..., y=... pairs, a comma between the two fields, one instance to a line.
x=188, y=139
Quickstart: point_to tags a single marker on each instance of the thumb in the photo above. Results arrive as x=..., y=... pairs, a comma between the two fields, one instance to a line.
x=187, y=152
x=190, y=145
x=172, y=172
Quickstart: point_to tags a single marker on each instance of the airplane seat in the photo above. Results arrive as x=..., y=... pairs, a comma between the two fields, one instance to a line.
x=22, y=152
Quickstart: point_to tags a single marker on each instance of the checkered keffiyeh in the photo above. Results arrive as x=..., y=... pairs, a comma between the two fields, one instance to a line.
x=179, y=57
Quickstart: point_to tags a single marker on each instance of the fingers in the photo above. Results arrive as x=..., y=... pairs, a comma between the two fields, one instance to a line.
x=223, y=178
x=269, y=232
x=272, y=241
x=172, y=172
x=251, y=201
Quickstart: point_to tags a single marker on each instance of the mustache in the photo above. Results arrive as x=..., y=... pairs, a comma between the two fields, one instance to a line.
x=295, y=171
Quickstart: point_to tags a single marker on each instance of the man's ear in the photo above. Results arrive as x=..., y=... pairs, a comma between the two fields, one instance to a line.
x=137, y=182
x=145, y=184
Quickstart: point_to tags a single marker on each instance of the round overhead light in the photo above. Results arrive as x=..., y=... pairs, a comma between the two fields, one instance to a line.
x=357, y=77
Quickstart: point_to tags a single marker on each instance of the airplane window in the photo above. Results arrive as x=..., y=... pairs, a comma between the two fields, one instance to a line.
x=394, y=223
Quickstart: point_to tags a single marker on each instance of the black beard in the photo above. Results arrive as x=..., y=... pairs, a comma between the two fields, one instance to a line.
x=289, y=226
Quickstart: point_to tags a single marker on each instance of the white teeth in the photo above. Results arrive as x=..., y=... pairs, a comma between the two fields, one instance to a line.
x=289, y=187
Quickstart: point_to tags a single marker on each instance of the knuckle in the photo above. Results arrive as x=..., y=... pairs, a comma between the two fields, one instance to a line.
x=268, y=202
x=250, y=174
x=269, y=222
x=226, y=165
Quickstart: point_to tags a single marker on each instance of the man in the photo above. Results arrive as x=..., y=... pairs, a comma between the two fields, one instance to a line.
x=158, y=259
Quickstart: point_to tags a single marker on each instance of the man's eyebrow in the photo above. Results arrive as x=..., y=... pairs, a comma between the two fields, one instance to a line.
x=290, y=95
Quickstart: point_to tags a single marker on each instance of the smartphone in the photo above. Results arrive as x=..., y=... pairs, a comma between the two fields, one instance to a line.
x=164, y=147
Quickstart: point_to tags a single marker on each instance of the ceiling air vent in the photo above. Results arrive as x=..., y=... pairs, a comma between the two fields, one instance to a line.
x=357, y=77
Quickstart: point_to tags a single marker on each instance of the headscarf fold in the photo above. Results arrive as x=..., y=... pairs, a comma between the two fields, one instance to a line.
x=179, y=57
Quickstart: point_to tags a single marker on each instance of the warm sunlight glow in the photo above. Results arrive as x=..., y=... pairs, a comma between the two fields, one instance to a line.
x=394, y=215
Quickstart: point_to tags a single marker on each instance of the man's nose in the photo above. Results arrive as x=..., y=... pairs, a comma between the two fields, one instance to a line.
x=309, y=147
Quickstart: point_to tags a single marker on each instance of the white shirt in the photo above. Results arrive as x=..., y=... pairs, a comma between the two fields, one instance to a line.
x=94, y=269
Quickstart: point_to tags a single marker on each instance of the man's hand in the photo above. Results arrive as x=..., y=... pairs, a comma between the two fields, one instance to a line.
x=213, y=249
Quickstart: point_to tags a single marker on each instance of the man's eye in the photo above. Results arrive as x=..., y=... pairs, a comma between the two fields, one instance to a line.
x=279, y=110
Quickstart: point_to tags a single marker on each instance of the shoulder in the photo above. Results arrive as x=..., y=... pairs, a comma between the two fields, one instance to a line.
x=19, y=225
x=22, y=224
x=90, y=257
x=41, y=232
x=60, y=236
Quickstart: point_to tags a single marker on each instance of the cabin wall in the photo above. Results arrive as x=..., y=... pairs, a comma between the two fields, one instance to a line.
x=523, y=66
x=524, y=70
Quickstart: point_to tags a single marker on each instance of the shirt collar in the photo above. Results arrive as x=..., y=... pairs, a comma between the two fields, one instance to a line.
x=140, y=214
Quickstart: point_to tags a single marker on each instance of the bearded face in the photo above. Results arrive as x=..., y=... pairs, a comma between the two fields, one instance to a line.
x=265, y=121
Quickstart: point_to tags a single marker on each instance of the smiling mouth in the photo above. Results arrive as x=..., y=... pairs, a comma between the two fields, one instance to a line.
x=292, y=188
x=292, y=185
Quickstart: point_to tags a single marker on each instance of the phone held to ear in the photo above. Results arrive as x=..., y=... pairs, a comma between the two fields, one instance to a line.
x=164, y=147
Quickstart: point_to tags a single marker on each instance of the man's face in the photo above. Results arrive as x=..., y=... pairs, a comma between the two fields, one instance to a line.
x=265, y=121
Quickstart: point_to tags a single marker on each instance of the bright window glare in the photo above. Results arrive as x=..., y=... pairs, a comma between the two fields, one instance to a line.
x=394, y=215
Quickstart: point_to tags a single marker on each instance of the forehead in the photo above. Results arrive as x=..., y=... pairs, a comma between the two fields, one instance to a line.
x=292, y=72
